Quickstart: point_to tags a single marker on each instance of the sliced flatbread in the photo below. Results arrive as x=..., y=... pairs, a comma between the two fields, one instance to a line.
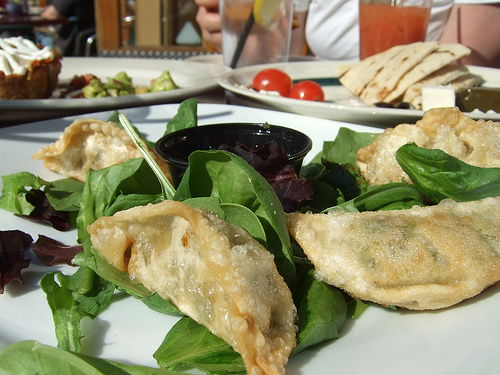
x=356, y=76
x=444, y=55
x=384, y=82
x=460, y=82
x=399, y=73
x=468, y=80
x=443, y=76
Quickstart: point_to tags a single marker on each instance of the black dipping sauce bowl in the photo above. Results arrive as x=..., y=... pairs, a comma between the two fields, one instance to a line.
x=176, y=147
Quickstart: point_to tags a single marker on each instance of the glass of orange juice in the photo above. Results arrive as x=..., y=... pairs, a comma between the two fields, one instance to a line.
x=386, y=23
x=262, y=42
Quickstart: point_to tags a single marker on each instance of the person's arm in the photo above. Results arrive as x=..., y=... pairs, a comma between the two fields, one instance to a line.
x=51, y=13
x=208, y=17
x=298, y=42
x=209, y=20
x=476, y=26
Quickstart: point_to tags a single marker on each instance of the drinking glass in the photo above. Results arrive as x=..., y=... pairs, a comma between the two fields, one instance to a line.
x=386, y=23
x=246, y=42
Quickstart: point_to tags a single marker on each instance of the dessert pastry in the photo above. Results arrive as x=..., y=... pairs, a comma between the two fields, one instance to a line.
x=27, y=71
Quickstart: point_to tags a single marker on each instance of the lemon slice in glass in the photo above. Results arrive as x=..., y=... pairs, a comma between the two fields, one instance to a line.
x=263, y=11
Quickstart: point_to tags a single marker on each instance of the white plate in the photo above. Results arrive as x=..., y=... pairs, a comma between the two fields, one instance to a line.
x=212, y=58
x=194, y=78
x=339, y=103
x=459, y=340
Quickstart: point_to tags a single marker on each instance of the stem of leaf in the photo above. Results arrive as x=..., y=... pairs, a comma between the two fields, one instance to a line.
x=168, y=190
x=87, y=283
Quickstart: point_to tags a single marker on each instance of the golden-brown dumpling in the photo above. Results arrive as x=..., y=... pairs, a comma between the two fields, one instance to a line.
x=90, y=144
x=474, y=142
x=420, y=258
x=214, y=272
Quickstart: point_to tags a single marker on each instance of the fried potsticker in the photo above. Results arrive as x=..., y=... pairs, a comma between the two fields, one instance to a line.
x=214, y=272
x=421, y=258
x=90, y=144
x=474, y=142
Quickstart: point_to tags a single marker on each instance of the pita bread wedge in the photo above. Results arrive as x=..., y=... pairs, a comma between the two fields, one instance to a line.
x=443, y=76
x=460, y=82
x=421, y=258
x=468, y=80
x=384, y=82
x=444, y=55
x=356, y=76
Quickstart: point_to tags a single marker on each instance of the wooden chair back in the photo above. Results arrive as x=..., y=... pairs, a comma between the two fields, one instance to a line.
x=153, y=25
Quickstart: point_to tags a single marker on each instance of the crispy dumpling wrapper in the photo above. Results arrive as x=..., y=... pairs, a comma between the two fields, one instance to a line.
x=214, y=272
x=474, y=142
x=90, y=144
x=421, y=258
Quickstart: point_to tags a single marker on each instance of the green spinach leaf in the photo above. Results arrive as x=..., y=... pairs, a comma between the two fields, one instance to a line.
x=106, y=192
x=31, y=357
x=438, y=175
x=232, y=180
x=186, y=116
x=71, y=298
x=189, y=345
x=15, y=189
x=345, y=146
x=322, y=311
x=391, y=196
x=65, y=194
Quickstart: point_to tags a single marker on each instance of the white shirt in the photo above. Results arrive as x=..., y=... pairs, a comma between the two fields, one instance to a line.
x=332, y=29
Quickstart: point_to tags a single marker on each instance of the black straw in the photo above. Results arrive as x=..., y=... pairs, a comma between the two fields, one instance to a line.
x=242, y=40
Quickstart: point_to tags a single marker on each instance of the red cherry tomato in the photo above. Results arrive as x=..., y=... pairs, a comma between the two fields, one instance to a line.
x=307, y=90
x=273, y=80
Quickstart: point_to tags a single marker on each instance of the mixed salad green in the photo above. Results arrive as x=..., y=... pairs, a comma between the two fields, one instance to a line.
x=228, y=186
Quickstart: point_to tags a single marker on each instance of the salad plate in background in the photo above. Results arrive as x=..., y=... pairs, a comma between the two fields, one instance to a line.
x=459, y=340
x=339, y=103
x=193, y=78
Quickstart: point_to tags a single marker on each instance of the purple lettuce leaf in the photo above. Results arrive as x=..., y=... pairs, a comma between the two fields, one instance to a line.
x=272, y=163
x=12, y=261
x=45, y=212
x=51, y=252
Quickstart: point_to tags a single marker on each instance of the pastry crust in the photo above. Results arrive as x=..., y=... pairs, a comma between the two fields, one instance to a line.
x=26, y=72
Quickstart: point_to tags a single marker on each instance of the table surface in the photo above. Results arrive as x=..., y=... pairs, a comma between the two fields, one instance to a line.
x=7, y=19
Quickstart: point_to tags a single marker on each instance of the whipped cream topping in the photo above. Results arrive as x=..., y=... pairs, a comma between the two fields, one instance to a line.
x=17, y=54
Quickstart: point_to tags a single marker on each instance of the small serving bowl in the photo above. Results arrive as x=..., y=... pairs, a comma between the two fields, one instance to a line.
x=176, y=147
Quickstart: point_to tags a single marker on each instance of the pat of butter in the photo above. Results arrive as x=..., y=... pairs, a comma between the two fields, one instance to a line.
x=437, y=97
